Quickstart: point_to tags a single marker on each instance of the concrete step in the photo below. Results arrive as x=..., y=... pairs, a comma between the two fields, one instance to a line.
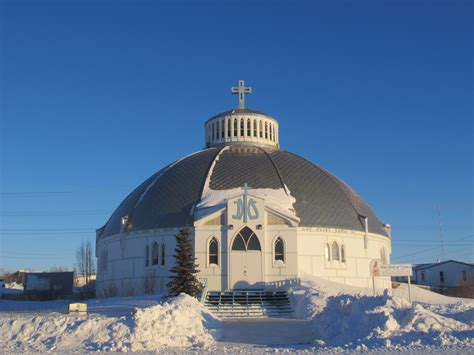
x=250, y=304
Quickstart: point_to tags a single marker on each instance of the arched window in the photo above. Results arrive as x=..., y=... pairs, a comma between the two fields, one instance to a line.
x=213, y=252
x=335, y=251
x=147, y=256
x=279, y=250
x=246, y=240
x=343, y=254
x=228, y=128
x=260, y=129
x=154, y=254
x=266, y=130
x=242, y=123
x=235, y=127
x=249, y=128
x=327, y=252
x=163, y=254
x=254, y=128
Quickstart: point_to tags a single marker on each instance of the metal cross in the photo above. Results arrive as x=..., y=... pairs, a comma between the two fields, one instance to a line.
x=245, y=188
x=241, y=90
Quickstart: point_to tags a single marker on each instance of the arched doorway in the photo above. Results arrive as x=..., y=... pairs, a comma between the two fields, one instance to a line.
x=246, y=261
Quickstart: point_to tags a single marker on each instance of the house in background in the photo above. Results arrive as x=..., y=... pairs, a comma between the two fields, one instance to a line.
x=446, y=274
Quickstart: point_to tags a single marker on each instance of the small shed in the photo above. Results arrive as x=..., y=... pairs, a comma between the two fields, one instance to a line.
x=47, y=285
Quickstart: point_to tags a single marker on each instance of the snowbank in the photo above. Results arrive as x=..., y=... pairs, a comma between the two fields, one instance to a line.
x=350, y=317
x=181, y=322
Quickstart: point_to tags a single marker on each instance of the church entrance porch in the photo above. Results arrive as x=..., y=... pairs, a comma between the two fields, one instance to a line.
x=246, y=261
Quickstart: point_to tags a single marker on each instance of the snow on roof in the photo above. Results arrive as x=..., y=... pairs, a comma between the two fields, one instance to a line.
x=429, y=266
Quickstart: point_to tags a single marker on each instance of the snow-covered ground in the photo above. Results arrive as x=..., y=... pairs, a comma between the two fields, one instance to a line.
x=330, y=318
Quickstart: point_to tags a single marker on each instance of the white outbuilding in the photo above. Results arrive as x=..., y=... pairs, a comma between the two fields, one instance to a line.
x=446, y=274
x=260, y=217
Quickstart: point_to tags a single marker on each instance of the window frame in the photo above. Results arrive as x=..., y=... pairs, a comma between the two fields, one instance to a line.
x=212, y=240
x=163, y=254
x=279, y=239
x=155, y=248
x=335, y=247
x=147, y=255
x=327, y=252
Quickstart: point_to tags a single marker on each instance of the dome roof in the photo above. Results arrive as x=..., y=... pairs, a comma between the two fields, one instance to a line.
x=169, y=197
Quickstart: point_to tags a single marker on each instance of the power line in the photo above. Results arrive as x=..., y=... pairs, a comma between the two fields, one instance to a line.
x=56, y=213
x=35, y=258
x=423, y=251
x=34, y=193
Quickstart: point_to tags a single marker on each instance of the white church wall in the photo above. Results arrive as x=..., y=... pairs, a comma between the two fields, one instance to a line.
x=277, y=270
x=216, y=275
x=126, y=272
x=313, y=258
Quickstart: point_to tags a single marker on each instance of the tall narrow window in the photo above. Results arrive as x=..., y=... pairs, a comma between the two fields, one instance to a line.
x=271, y=131
x=241, y=133
x=441, y=276
x=464, y=275
x=235, y=127
x=154, y=254
x=266, y=130
x=335, y=251
x=260, y=129
x=343, y=254
x=222, y=129
x=279, y=250
x=423, y=276
x=228, y=128
x=163, y=254
x=254, y=128
x=147, y=256
x=249, y=128
x=213, y=252
x=327, y=252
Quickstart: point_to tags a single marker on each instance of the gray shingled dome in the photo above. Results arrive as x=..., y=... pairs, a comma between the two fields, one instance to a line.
x=167, y=198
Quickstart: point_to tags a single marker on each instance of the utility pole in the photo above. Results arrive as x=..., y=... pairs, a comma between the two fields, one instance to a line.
x=441, y=233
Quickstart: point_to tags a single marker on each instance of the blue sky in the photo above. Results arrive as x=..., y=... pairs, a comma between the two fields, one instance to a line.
x=97, y=96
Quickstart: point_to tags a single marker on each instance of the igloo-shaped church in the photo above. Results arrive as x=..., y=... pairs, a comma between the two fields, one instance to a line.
x=259, y=217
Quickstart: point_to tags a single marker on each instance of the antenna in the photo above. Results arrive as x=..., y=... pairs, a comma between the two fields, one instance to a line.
x=441, y=233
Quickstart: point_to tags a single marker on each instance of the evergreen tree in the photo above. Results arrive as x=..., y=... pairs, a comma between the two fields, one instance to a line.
x=185, y=268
